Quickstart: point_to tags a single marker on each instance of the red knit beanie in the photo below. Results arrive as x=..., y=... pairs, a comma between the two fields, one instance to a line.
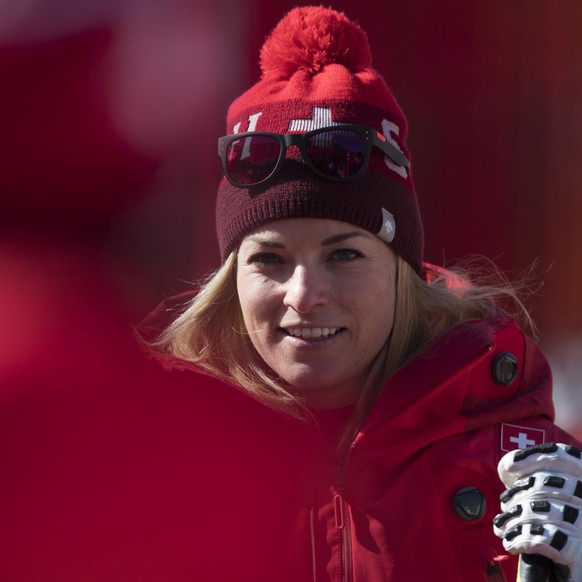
x=316, y=73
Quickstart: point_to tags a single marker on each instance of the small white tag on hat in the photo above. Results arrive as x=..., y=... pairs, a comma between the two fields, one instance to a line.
x=388, y=229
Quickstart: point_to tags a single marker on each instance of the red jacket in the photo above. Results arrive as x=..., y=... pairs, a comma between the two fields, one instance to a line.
x=439, y=429
x=171, y=476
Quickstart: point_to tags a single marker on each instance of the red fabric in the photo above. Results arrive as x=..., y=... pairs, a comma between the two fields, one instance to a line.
x=310, y=39
x=436, y=430
x=170, y=475
x=316, y=73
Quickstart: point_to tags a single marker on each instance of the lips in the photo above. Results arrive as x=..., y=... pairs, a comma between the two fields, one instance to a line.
x=311, y=332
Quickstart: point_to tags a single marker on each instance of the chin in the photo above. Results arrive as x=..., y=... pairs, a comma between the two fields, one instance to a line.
x=318, y=388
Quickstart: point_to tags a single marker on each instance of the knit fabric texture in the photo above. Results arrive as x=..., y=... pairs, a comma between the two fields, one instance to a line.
x=316, y=72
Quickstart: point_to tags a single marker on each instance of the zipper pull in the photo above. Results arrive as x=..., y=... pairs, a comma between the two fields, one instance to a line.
x=342, y=523
x=338, y=505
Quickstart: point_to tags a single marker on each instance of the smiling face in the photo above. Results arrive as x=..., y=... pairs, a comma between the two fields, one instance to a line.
x=318, y=299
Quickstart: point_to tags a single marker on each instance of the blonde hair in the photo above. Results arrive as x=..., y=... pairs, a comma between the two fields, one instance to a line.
x=211, y=333
x=427, y=308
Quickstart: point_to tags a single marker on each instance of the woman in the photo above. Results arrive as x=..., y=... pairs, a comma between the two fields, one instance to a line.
x=412, y=380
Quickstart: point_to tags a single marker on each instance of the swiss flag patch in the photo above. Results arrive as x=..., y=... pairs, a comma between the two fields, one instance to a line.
x=520, y=437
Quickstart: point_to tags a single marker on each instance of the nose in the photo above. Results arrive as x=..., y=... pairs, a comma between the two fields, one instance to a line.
x=305, y=290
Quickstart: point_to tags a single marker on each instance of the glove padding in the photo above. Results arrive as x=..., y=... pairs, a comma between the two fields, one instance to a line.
x=542, y=507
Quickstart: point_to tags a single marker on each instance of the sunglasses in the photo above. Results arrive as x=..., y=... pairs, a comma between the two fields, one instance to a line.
x=339, y=153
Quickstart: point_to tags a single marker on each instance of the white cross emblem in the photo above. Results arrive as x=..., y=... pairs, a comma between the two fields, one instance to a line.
x=321, y=117
x=520, y=437
x=522, y=441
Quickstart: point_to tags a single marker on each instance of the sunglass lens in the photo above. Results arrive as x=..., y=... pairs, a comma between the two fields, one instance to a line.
x=337, y=153
x=252, y=159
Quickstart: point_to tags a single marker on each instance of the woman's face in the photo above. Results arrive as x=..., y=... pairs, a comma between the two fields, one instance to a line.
x=318, y=298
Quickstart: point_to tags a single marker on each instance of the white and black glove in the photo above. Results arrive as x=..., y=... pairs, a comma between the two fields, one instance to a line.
x=542, y=508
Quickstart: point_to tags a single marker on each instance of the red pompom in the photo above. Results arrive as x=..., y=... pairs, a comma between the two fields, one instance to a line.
x=311, y=37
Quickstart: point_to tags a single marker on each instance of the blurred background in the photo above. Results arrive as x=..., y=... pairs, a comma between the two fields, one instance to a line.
x=110, y=111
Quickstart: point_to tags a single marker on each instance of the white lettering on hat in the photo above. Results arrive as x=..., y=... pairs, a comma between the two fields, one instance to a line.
x=389, y=128
x=253, y=119
x=321, y=117
x=388, y=229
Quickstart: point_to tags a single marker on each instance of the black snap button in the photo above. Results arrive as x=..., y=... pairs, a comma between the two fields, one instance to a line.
x=504, y=368
x=469, y=503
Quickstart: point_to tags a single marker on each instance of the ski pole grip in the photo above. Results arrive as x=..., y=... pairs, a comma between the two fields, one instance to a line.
x=534, y=568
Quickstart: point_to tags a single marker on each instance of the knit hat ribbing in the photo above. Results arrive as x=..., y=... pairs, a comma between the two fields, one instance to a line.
x=316, y=73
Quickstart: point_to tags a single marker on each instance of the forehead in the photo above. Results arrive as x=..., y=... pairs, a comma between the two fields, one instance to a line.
x=298, y=227
x=314, y=234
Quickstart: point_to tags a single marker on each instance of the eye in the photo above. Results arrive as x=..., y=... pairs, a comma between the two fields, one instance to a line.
x=264, y=259
x=346, y=255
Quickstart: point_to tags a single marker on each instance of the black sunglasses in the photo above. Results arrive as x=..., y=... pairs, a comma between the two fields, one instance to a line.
x=338, y=152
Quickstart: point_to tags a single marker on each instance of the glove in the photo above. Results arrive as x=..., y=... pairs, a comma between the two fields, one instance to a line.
x=542, y=506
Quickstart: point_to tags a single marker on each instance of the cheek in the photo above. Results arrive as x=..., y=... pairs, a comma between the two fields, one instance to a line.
x=246, y=304
x=255, y=300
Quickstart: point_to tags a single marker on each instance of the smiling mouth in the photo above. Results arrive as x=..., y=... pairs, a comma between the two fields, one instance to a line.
x=311, y=332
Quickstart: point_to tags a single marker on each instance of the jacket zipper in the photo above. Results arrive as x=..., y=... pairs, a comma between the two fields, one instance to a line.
x=313, y=551
x=342, y=517
x=342, y=522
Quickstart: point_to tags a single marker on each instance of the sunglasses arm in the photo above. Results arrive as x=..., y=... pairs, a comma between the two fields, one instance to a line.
x=391, y=151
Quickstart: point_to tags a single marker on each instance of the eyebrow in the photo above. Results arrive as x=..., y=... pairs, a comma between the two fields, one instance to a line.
x=266, y=242
x=336, y=238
